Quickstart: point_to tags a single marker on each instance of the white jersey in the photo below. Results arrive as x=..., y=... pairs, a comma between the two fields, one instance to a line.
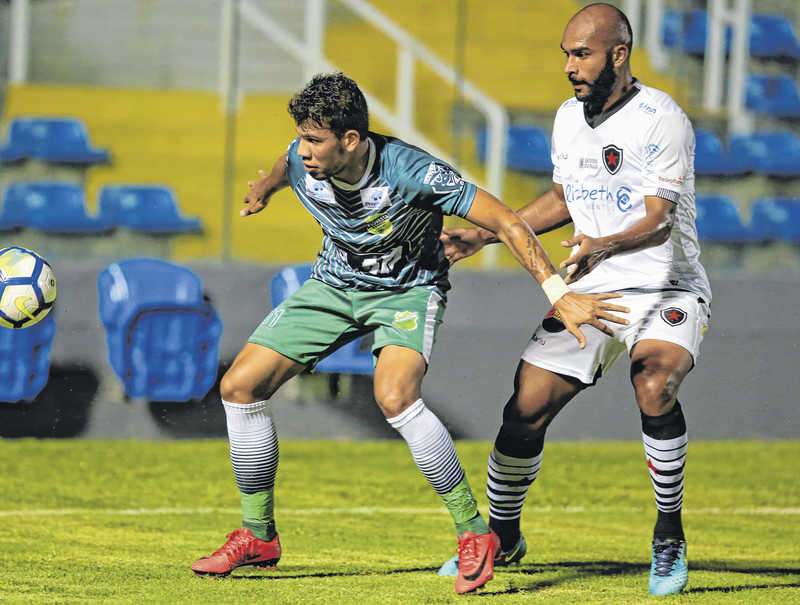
x=643, y=146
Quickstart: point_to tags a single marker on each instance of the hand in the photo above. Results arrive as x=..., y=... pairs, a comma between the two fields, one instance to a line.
x=590, y=254
x=461, y=242
x=578, y=309
x=257, y=198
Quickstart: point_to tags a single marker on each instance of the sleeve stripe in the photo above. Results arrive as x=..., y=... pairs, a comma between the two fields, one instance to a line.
x=672, y=196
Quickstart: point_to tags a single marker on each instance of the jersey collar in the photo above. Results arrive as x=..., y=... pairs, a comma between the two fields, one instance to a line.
x=363, y=181
x=601, y=117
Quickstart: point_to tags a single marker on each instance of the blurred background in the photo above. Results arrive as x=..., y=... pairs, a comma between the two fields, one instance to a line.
x=184, y=101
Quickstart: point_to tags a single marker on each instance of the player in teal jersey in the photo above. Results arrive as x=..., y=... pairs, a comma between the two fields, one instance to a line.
x=383, y=270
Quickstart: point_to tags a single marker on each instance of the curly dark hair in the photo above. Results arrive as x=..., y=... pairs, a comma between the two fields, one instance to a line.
x=332, y=101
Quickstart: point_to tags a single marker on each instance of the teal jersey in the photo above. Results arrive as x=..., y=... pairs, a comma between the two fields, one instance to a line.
x=383, y=232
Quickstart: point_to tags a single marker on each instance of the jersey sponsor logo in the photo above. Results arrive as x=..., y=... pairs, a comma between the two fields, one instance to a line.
x=624, y=199
x=601, y=198
x=671, y=181
x=443, y=179
x=612, y=158
x=589, y=163
x=378, y=224
x=652, y=152
x=322, y=191
x=406, y=320
x=673, y=316
x=646, y=108
x=374, y=197
x=539, y=340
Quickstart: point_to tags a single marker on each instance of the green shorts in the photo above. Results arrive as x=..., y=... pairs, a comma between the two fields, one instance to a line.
x=317, y=319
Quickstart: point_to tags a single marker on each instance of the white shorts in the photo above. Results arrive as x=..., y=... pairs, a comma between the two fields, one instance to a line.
x=677, y=317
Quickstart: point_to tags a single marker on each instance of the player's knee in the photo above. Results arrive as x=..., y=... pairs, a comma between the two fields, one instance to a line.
x=234, y=388
x=655, y=391
x=393, y=402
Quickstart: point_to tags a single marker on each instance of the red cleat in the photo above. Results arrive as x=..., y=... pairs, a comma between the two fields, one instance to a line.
x=476, y=555
x=242, y=548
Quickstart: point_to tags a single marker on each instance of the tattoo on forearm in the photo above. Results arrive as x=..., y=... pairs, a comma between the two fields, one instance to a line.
x=533, y=256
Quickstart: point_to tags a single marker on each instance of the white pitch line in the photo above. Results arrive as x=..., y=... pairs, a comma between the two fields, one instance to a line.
x=373, y=511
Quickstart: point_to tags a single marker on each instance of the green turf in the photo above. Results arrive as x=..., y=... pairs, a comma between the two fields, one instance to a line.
x=121, y=522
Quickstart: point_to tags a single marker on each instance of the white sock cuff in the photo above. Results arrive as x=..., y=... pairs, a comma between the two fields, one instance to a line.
x=416, y=408
x=246, y=415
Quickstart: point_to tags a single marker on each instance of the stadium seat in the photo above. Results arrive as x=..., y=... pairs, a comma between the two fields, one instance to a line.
x=527, y=148
x=25, y=360
x=775, y=153
x=773, y=95
x=56, y=140
x=719, y=221
x=149, y=209
x=776, y=219
x=771, y=36
x=163, y=334
x=50, y=207
x=352, y=358
x=710, y=158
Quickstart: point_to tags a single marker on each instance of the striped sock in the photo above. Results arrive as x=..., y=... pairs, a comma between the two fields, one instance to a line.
x=254, y=456
x=513, y=466
x=665, y=442
x=435, y=454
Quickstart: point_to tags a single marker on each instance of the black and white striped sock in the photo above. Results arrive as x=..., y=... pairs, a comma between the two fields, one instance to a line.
x=513, y=466
x=431, y=446
x=254, y=456
x=665, y=442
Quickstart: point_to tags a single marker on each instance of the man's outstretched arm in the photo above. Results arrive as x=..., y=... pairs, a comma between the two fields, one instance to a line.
x=264, y=188
x=576, y=309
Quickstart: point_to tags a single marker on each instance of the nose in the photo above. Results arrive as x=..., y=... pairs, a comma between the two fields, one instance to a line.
x=304, y=149
x=569, y=67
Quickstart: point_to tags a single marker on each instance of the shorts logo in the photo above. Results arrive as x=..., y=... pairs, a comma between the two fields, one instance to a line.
x=378, y=224
x=552, y=322
x=406, y=320
x=272, y=318
x=673, y=316
x=612, y=158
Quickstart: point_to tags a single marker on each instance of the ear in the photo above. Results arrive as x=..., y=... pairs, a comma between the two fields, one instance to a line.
x=620, y=55
x=350, y=140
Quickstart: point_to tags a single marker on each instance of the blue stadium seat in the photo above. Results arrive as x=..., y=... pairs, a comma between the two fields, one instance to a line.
x=163, y=335
x=56, y=140
x=771, y=36
x=527, y=148
x=776, y=219
x=151, y=209
x=774, y=95
x=25, y=360
x=719, y=221
x=352, y=358
x=710, y=158
x=50, y=207
x=775, y=153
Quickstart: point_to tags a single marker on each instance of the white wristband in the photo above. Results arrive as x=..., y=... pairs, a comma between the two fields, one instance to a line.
x=555, y=288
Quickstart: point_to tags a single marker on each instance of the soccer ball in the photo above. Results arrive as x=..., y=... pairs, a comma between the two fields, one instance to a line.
x=27, y=287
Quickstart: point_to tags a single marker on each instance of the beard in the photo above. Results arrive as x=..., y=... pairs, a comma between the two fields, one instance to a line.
x=601, y=88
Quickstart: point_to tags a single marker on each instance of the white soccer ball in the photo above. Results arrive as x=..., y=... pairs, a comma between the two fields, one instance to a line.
x=27, y=287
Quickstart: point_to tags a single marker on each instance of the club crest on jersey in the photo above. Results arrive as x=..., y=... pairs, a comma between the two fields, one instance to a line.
x=378, y=224
x=443, y=179
x=612, y=158
x=322, y=191
x=673, y=316
x=374, y=197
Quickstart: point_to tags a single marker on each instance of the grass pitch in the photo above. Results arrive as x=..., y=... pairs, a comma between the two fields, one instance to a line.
x=121, y=522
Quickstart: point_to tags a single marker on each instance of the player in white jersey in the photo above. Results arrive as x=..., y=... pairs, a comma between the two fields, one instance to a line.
x=382, y=270
x=624, y=175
